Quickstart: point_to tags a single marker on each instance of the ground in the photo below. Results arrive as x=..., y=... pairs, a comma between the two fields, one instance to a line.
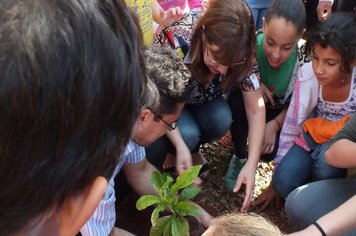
x=214, y=196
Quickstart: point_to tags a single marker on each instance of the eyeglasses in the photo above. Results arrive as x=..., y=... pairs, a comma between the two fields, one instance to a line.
x=171, y=127
x=213, y=62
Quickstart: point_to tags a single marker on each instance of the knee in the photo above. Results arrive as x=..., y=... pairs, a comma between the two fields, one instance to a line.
x=282, y=184
x=294, y=209
x=191, y=136
x=328, y=172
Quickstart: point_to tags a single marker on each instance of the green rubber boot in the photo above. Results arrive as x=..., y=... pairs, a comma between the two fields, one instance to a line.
x=233, y=171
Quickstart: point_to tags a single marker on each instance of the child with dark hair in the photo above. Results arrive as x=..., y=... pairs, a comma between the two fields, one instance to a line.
x=325, y=91
x=69, y=99
x=278, y=57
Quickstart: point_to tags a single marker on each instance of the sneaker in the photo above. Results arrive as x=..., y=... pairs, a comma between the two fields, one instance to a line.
x=233, y=171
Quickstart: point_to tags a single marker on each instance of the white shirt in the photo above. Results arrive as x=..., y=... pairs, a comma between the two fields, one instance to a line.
x=103, y=220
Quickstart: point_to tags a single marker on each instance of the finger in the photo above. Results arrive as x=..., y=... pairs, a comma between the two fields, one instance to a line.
x=238, y=185
x=198, y=181
x=266, y=204
x=258, y=201
x=270, y=98
x=247, y=200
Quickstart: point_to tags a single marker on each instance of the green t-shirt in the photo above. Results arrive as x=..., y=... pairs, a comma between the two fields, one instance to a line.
x=277, y=81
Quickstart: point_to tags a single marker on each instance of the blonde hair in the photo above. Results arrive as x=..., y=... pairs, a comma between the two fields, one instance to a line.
x=236, y=224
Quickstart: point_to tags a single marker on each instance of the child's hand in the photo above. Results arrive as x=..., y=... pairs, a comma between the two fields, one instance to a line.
x=171, y=15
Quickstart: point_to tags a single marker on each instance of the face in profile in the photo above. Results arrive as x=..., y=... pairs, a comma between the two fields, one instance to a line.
x=151, y=126
x=280, y=39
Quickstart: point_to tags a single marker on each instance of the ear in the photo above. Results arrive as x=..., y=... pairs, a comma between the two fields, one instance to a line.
x=145, y=113
x=77, y=209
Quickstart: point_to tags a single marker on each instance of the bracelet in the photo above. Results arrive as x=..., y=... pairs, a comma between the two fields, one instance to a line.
x=278, y=124
x=319, y=228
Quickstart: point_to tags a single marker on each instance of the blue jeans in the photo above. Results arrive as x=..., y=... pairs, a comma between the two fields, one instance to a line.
x=299, y=167
x=308, y=203
x=197, y=125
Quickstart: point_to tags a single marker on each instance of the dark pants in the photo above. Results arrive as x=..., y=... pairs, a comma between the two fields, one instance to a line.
x=239, y=126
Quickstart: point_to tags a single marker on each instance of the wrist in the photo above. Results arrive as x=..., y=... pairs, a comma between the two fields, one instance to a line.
x=278, y=124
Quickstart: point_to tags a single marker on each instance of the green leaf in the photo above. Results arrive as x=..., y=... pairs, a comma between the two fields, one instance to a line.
x=157, y=180
x=186, y=208
x=188, y=193
x=167, y=230
x=155, y=213
x=167, y=186
x=185, y=179
x=180, y=227
x=146, y=201
x=159, y=227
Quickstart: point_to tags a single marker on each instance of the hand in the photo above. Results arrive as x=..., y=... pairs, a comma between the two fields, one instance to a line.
x=323, y=10
x=270, y=137
x=247, y=177
x=266, y=197
x=184, y=161
x=267, y=95
x=171, y=15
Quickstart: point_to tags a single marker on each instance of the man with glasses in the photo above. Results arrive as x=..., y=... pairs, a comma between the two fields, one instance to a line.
x=168, y=88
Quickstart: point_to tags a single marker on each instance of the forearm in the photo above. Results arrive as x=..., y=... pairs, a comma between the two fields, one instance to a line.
x=139, y=177
x=175, y=137
x=341, y=154
x=256, y=125
x=157, y=12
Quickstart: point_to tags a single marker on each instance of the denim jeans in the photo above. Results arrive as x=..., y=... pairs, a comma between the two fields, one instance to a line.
x=197, y=125
x=308, y=203
x=299, y=167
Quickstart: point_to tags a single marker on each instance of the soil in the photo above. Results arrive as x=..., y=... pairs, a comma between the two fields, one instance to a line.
x=214, y=196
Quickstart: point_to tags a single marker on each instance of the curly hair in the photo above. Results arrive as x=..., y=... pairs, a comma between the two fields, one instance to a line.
x=171, y=77
x=339, y=32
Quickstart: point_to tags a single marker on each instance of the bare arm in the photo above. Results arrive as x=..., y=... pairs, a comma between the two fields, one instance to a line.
x=337, y=222
x=256, y=116
x=183, y=155
x=165, y=18
x=341, y=154
x=139, y=176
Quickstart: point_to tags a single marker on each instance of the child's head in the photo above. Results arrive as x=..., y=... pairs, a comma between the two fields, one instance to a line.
x=335, y=36
x=283, y=26
x=71, y=88
x=223, y=41
x=237, y=224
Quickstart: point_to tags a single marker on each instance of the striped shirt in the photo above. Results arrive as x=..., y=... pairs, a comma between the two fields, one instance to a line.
x=103, y=220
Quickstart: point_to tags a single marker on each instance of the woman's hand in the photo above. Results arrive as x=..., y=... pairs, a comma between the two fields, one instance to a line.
x=246, y=177
x=267, y=95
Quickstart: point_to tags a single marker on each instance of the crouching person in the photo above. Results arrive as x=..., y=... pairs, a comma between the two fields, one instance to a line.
x=168, y=88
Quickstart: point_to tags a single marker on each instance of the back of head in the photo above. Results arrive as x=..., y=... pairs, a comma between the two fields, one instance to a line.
x=70, y=89
x=170, y=76
x=339, y=32
x=292, y=11
x=236, y=224
x=229, y=25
